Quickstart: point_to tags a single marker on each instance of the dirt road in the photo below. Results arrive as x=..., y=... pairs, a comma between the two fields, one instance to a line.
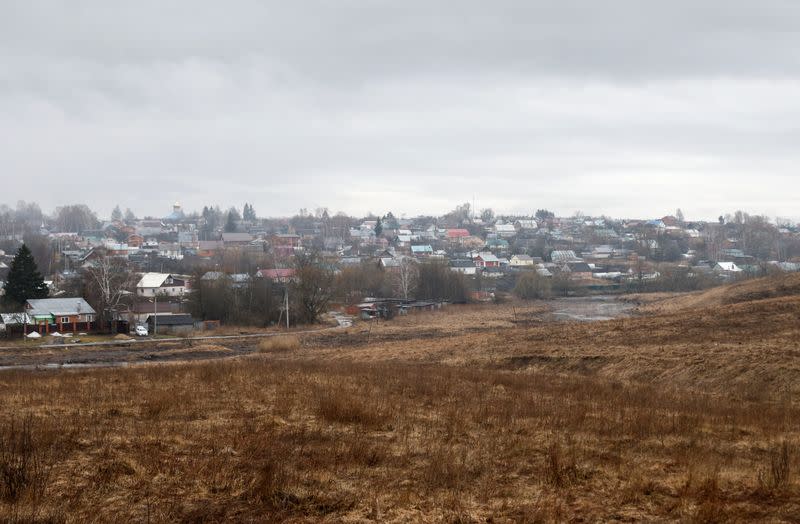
x=55, y=356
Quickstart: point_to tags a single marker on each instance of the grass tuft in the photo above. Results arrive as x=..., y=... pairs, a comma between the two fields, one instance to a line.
x=279, y=344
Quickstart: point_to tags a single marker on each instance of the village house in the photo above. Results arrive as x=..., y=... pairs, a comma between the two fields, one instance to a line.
x=170, y=250
x=521, y=261
x=363, y=235
x=238, y=280
x=526, y=225
x=577, y=270
x=422, y=251
x=456, y=236
x=146, y=228
x=284, y=244
x=495, y=243
x=485, y=260
x=390, y=264
x=236, y=239
x=60, y=314
x=160, y=284
x=564, y=256
x=280, y=275
x=727, y=268
x=463, y=266
x=135, y=240
x=188, y=239
x=505, y=230
x=209, y=248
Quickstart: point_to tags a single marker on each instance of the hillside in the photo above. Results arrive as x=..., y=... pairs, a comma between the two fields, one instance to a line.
x=472, y=414
x=750, y=348
x=747, y=290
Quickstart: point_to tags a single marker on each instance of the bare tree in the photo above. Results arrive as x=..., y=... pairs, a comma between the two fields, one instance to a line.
x=405, y=279
x=75, y=218
x=108, y=283
x=313, y=289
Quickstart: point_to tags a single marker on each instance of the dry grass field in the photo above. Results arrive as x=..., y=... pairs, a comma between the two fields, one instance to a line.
x=682, y=415
x=780, y=285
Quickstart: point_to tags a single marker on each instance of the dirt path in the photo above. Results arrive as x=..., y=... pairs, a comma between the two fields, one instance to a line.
x=123, y=353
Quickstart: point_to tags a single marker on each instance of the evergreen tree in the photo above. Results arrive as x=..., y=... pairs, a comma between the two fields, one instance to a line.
x=230, y=225
x=391, y=221
x=544, y=214
x=248, y=213
x=116, y=214
x=379, y=227
x=24, y=280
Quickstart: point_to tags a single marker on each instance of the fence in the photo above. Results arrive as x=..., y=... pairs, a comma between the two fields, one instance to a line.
x=17, y=330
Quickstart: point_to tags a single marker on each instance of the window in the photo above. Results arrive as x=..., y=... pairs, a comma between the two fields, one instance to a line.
x=65, y=320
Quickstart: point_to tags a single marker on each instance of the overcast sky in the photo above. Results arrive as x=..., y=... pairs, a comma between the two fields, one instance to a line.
x=626, y=108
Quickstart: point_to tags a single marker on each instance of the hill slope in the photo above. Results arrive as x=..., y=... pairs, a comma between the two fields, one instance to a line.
x=745, y=291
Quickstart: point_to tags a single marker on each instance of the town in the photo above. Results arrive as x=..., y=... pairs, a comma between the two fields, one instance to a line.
x=191, y=271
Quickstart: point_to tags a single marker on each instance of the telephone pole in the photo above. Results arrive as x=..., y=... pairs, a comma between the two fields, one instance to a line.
x=286, y=305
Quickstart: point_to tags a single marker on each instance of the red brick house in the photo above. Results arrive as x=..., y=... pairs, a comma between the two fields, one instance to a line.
x=60, y=314
x=486, y=260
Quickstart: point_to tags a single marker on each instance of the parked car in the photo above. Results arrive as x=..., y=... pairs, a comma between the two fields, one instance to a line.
x=141, y=331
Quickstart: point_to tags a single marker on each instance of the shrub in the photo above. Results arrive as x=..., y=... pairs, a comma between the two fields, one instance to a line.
x=342, y=406
x=531, y=285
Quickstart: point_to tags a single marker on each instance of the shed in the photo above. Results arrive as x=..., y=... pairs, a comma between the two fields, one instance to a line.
x=170, y=324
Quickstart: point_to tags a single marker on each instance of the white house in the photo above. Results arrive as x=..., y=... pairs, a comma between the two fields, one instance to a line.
x=505, y=230
x=464, y=266
x=521, y=261
x=727, y=267
x=560, y=257
x=525, y=224
x=161, y=284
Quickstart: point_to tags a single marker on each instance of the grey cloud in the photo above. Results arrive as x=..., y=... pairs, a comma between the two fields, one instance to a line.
x=414, y=106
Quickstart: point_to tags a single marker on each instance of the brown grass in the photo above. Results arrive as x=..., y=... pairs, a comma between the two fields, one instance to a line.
x=747, y=349
x=686, y=416
x=279, y=343
x=261, y=440
x=776, y=286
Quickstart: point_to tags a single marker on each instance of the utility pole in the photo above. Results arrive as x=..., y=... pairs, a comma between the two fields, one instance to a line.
x=286, y=305
x=155, y=315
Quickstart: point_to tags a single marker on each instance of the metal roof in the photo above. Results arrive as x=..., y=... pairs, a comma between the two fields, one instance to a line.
x=487, y=257
x=277, y=273
x=15, y=318
x=237, y=237
x=171, y=320
x=153, y=279
x=59, y=306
